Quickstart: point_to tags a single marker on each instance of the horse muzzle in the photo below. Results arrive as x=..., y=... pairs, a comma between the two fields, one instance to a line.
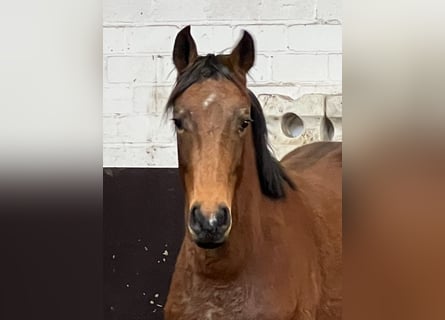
x=209, y=231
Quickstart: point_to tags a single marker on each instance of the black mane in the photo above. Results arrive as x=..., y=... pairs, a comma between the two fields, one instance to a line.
x=270, y=172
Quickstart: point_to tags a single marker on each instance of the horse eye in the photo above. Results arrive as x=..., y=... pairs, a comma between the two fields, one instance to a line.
x=178, y=124
x=244, y=125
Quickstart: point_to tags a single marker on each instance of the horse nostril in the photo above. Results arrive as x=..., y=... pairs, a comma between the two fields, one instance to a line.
x=194, y=212
x=223, y=215
x=196, y=218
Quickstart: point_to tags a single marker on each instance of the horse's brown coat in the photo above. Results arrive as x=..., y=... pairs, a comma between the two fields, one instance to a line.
x=282, y=258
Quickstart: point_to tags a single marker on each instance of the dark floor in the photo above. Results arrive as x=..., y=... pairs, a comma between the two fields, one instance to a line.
x=143, y=229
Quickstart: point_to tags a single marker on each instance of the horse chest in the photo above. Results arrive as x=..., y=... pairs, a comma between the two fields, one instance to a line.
x=240, y=302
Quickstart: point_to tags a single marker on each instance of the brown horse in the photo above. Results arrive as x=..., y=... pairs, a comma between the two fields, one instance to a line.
x=263, y=238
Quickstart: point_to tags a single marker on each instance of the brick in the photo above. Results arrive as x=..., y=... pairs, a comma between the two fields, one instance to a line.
x=213, y=39
x=334, y=112
x=308, y=105
x=335, y=67
x=142, y=99
x=261, y=71
x=115, y=11
x=117, y=99
x=309, y=108
x=113, y=156
x=150, y=99
x=126, y=10
x=337, y=133
x=164, y=155
x=269, y=89
x=171, y=10
x=267, y=37
x=161, y=129
x=109, y=129
x=329, y=10
x=161, y=95
x=138, y=129
x=113, y=40
x=145, y=128
x=294, y=68
x=131, y=69
x=303, y=10
x=295, y=90
x=334, y=106
x=140, y=155
x=321, y=88
x=150, y=39
x=315, y=38
x=165, y=70
x=104, y=69
x=232, y=10
x=134, y=129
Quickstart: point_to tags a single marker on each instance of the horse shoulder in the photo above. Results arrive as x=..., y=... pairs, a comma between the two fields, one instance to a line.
x=316, y=170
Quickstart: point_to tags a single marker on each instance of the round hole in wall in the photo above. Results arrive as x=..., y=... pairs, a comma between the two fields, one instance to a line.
x=329, y=128
x=292, y=125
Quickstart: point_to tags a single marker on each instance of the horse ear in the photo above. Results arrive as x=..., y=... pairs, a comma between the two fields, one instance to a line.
x=243, y=56
x=184, y=51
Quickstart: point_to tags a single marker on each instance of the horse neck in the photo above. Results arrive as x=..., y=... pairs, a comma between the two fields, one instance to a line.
x=232, y=258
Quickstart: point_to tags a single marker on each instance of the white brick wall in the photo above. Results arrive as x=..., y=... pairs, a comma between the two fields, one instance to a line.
x=299, y=51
